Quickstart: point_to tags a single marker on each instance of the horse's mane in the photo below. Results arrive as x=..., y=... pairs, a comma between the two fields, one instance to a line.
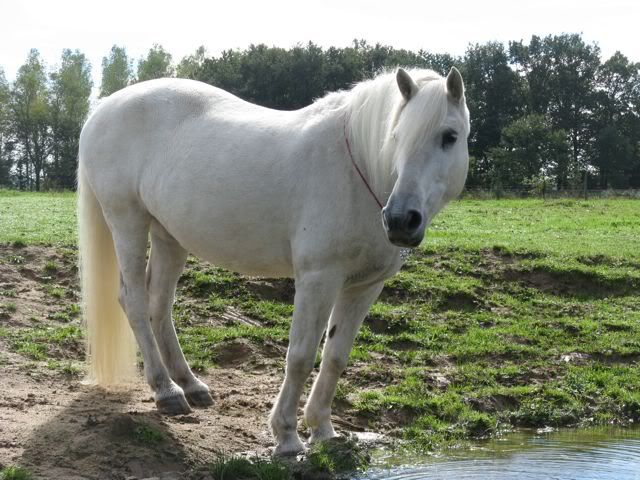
x=372, y=111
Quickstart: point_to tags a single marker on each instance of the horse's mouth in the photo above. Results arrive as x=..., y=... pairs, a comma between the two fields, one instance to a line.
x=401, y=240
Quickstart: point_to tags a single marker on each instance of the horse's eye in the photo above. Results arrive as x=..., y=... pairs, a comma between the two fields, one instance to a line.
x=448, y=139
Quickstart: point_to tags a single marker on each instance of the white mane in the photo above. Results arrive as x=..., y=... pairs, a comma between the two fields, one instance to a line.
x=373, y=111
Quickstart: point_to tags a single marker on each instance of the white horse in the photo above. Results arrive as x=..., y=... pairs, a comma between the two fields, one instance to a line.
x=261, y=192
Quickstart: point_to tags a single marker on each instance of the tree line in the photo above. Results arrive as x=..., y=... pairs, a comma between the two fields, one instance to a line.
x=547, y=113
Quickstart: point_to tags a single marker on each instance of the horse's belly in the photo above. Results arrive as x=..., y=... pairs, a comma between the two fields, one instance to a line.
x=246, y=258
x=249, y=247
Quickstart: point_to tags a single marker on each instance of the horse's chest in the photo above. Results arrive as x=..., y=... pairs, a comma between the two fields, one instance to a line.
x=374, y=270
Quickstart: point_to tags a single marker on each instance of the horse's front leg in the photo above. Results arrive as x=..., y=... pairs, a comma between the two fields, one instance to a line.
x=347, y=316
x=315, y=295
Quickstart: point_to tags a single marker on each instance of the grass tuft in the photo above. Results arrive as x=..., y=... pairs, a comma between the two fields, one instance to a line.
x=15, y=472
x=146, y=434
x=231, y=467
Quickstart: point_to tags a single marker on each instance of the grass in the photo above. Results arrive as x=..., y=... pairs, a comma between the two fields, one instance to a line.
x=46, y=218
x=15, y=473
x=226, y=467
x=511, y=313
x=41, y=343
x=338, y=458
x=147, y=434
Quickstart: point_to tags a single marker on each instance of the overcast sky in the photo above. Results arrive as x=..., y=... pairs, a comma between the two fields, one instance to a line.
x=182, y=25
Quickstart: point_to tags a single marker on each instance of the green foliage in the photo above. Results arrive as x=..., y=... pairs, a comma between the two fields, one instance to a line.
x=30, y=99
x=191, y=64
x=6, y=146
x=157, y=64
x=147, y=434
x=55, y=292
x=561, y=72
x=288, y=79
x=37, y=217
x=40, y=122
x=50, y=267
x=529, y=147
x=39, y=343
x=338, y=456
x=70, y=90
x=65, y=367
x=15, y=473
x=226, y=467
x=494, y=96
x=117, y=72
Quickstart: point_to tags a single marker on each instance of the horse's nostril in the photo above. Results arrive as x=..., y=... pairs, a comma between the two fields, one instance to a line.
x=414, y=220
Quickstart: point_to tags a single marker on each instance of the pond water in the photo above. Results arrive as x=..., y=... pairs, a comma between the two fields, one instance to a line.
x=591, y=454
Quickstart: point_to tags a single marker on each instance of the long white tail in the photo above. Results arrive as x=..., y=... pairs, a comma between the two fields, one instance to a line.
x=111, y=346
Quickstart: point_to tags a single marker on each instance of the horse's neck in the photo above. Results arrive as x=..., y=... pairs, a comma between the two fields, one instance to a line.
x=372, y=148
x=362, y=134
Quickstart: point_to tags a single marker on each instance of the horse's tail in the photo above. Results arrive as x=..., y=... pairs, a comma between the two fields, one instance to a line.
x=111, y=347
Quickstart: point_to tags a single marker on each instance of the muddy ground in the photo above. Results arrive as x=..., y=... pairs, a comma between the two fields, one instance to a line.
x=58, y=427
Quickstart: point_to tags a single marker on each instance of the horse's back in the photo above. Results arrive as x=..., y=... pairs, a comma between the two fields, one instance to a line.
x=157, y=106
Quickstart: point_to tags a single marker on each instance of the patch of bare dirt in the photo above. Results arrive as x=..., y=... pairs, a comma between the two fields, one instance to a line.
x=25, y=282
x=281, y=289
x=59, y=428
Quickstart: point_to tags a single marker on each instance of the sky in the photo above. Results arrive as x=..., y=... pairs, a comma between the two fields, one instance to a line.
x=182, y=25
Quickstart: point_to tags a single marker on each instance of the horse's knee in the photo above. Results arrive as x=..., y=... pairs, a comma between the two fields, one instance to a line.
x=334, y=364
x=299, y=363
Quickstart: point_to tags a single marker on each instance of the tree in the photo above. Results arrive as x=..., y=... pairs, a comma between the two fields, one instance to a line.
x=263, y=71
x=5, y=132
x=343, y=67
x=305, y=75
x=495, y=98
x=117, y=72
x=190, y=65
x=529, y=148
x=157, y=64
x=560, y=72
x=30, y=111
x=617, y=121
x=223, y=72
x=614, y=153
x=70, y=92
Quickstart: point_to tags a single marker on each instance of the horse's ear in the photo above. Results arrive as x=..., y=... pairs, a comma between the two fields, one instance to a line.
x=455, y=86
x=407, y=86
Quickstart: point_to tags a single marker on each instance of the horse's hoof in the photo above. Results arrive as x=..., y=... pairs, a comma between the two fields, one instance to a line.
x=200, y=398
x=321, y=435
x=174, y=405
x=289, y=448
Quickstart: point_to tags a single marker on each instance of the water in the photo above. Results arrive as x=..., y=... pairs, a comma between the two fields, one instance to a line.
x=593, y=454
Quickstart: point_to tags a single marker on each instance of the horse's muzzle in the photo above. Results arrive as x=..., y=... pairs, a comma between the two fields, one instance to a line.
x=404, y=228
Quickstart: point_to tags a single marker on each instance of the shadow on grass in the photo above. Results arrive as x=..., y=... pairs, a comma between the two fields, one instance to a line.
x=573, y=282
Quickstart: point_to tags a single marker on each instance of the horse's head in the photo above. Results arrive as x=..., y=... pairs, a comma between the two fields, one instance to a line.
x=431, y=156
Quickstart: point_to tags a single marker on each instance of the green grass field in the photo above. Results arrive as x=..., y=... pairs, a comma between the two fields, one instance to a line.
x=511, y=313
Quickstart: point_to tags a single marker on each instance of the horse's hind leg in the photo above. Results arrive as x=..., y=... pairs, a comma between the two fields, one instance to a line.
x=166, y=263
x=130, y=230
x=347, y=316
